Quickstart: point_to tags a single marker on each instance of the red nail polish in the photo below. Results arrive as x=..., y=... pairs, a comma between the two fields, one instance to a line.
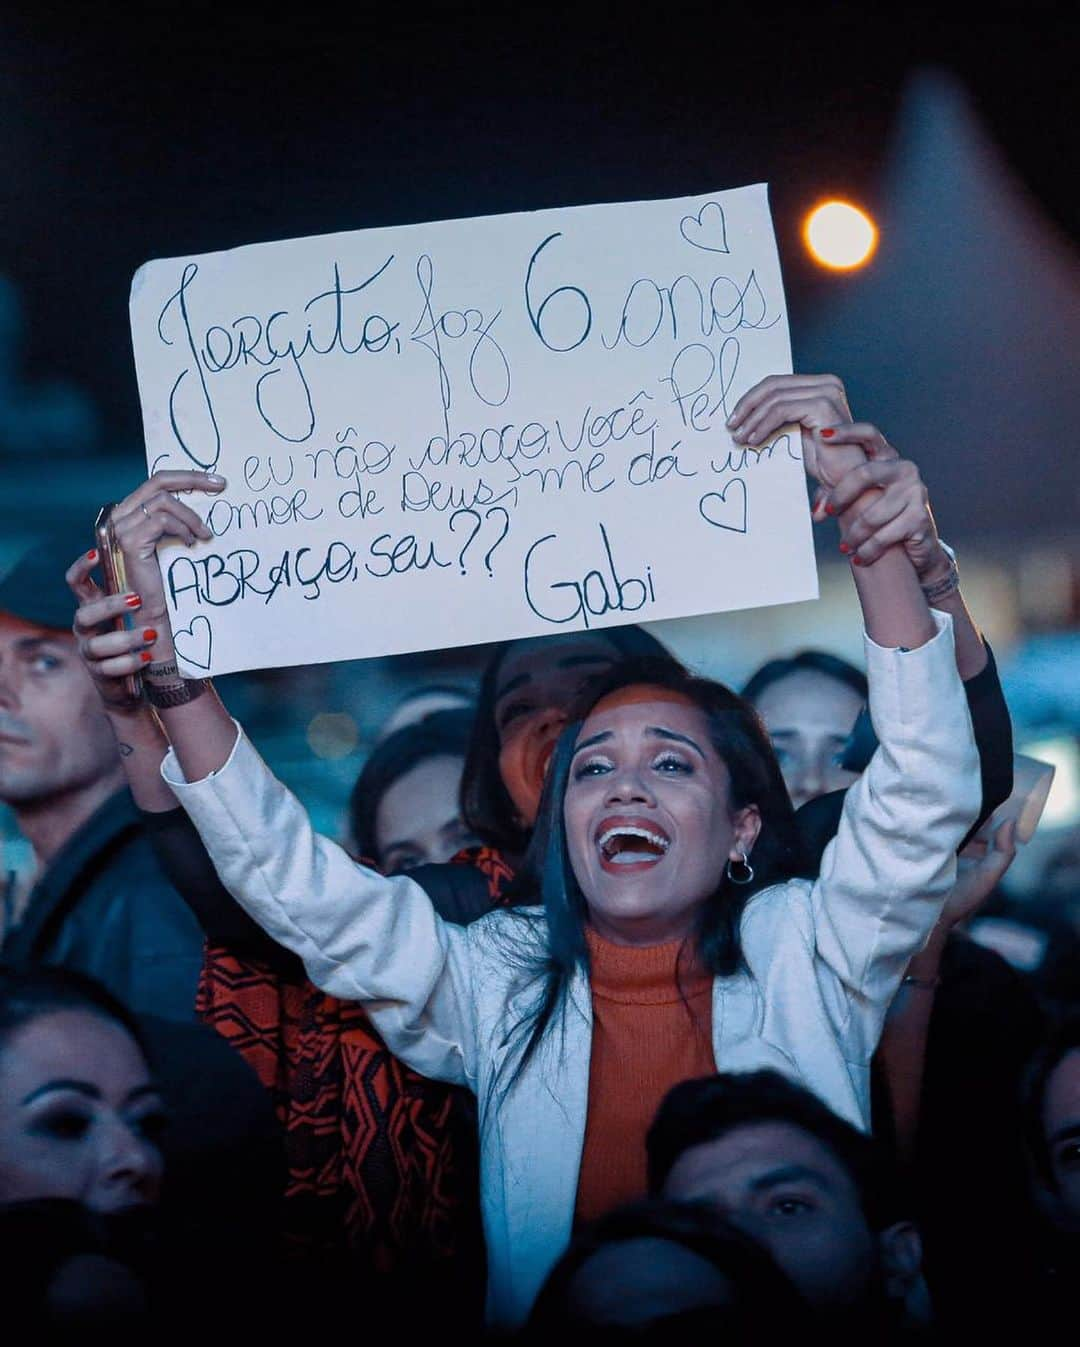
x=856, y=561
x=92, y=554
x=827, y=434
x=830, y=509
x=149, y=635
x=133, y=601
x=845, y=548
x=146, y=657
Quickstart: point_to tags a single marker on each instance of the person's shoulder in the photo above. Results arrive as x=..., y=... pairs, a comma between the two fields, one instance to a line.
x=129, y=877
x=785, y=905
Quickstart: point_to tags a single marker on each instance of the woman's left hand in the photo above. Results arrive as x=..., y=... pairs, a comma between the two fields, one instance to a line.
x=817, y=403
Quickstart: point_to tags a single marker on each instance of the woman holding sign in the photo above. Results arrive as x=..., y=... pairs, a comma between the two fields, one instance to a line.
x=672, y=938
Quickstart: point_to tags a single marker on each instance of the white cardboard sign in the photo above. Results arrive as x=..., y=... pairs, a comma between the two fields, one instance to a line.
x=452, y=433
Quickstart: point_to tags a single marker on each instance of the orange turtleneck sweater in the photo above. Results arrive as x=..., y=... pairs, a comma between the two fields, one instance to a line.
x=652, y=1028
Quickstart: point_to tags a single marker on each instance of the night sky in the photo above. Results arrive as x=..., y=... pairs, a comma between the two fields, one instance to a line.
x=188, y=130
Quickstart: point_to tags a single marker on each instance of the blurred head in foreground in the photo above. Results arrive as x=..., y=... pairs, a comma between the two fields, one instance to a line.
x=666, y=1272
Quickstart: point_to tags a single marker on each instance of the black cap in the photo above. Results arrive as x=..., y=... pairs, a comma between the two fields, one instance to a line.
x=35, y=590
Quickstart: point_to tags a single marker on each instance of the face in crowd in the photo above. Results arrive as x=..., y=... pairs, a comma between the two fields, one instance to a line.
x=418, y=820
x=1061, y=1134
x=649, y=821
x=538, y=679
x=809, y=716
x=79, y=1114
x=790, y=1192
x=54, y=738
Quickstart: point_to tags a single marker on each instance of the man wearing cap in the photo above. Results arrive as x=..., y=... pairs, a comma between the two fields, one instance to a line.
x=99, y=902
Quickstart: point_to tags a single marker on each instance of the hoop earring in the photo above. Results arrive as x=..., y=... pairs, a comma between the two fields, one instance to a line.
x=745, y=872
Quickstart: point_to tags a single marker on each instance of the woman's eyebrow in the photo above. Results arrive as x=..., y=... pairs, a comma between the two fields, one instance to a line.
x=79, y=1086
x=679, y=738
x=596, y=739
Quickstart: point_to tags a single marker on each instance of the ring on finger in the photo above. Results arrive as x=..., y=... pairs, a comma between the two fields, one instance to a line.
x=146, y=512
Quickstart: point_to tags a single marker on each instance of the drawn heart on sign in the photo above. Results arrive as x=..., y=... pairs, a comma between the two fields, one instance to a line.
x=195, y=649
x=707, y=229
x=717, y=510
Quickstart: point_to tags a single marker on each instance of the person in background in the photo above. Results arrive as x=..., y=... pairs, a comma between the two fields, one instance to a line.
x=810, y=703
x=81, y=1167
x=117, y=1199
x=821, y=1196
x=416, y=706
x=1052, y=1116
x=99, y=902
x=1052, y=1127
x=404, y=809
x=81, y=1116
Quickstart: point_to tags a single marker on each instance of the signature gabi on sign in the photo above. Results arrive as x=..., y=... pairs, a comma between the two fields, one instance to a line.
x=467, y=431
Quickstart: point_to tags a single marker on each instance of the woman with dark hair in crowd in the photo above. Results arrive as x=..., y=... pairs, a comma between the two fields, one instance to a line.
x=80, y=1163
x=654, y=805
x=809, y=703
x=404, y=808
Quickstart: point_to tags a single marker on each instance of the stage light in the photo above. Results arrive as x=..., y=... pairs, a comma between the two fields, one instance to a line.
x=839, y=235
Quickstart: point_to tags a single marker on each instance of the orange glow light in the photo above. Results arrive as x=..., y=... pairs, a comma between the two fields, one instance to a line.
x=839, y=235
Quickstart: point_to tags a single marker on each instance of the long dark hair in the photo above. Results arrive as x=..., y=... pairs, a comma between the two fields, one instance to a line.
x=737, y=734
x=486, y=805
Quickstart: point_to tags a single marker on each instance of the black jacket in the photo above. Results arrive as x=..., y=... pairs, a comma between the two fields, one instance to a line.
x=104, y=907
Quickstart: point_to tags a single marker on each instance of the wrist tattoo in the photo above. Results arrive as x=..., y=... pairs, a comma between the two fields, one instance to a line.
x=125, y=750
x=164, y=668
x=942, y=588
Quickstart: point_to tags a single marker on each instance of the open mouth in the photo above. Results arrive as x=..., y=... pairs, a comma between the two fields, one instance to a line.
x=623, y=844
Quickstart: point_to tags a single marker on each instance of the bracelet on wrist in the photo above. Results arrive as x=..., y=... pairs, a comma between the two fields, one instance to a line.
x=167, y=695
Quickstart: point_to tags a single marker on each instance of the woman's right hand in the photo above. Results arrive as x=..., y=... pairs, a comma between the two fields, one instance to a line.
x=108, y=654
x=143, y=519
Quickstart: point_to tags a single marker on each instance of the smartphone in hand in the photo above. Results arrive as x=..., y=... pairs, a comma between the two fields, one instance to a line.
x=112, y=566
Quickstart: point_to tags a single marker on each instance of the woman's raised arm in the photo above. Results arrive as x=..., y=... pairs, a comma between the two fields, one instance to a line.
x=361, y=936
x=884, y=876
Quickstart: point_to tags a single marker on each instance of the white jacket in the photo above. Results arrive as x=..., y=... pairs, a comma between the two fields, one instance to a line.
x=822, y=960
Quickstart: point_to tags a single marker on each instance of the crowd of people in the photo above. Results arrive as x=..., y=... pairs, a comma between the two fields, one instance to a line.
x=634, y=1006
